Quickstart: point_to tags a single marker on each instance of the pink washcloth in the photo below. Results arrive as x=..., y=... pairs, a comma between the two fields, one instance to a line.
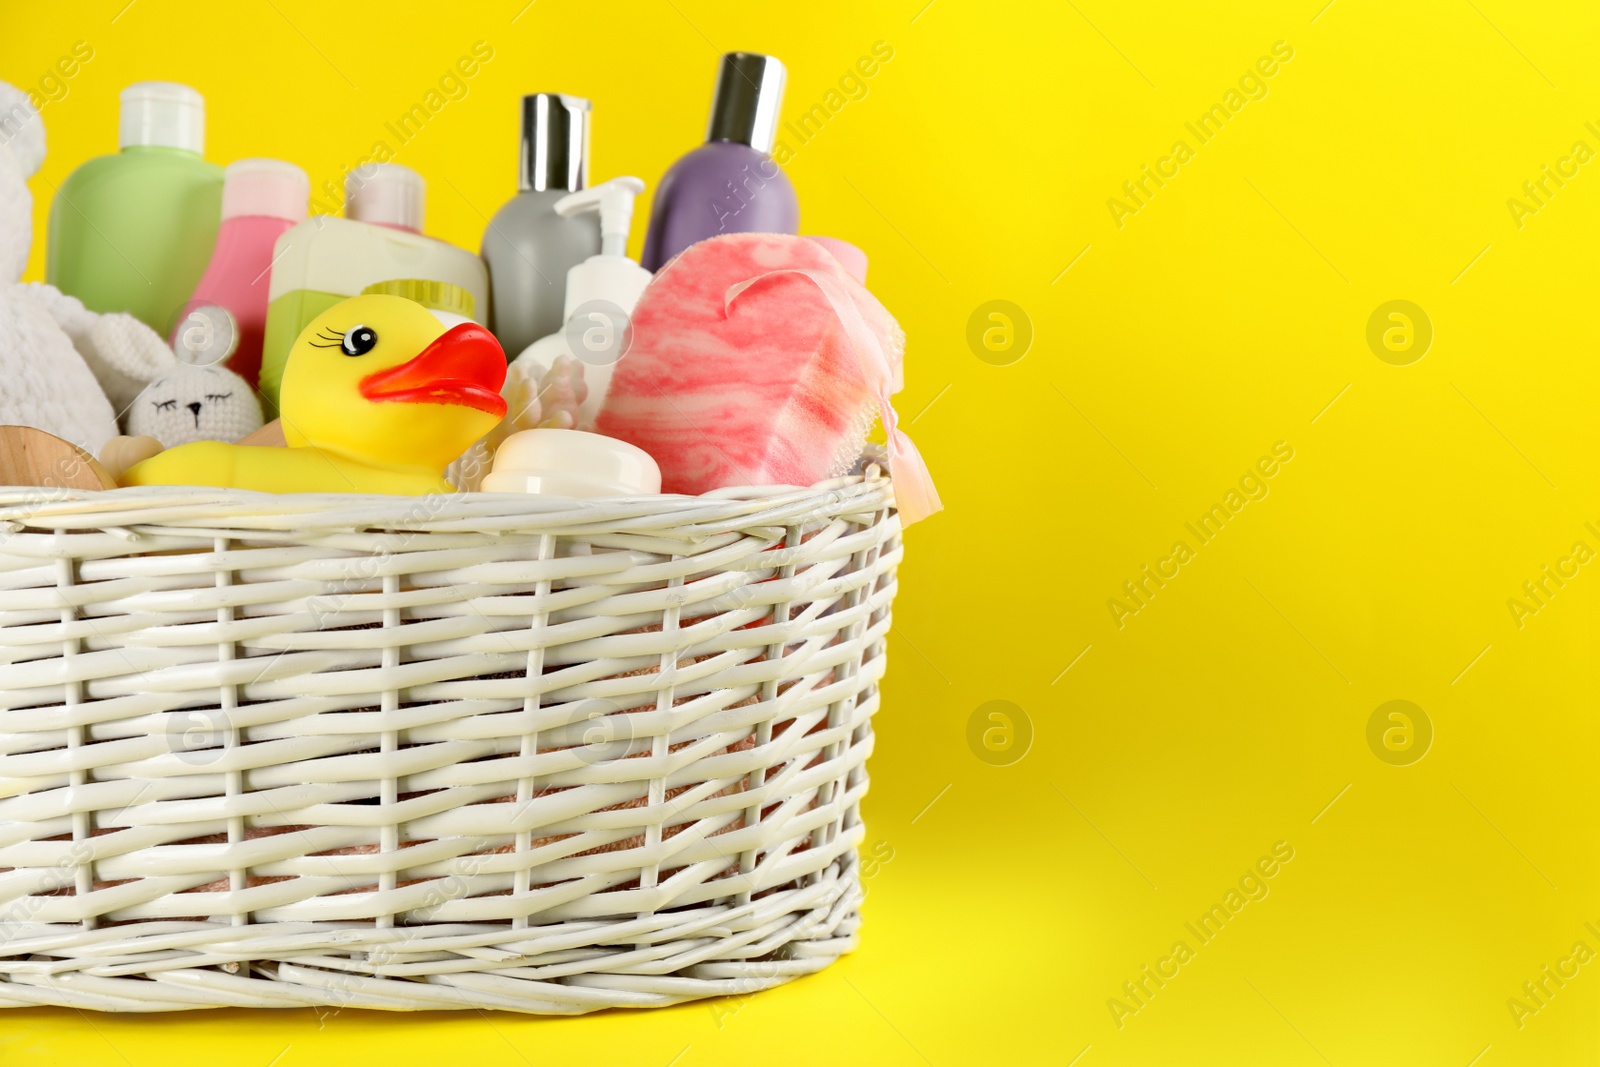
x=756, y=360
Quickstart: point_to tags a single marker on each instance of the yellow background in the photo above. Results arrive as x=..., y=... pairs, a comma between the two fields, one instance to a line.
x=1222, y=317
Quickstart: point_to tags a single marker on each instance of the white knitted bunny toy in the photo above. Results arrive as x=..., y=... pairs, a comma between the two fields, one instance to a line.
x=45, y=381
x=194, y=403
x=197, y=398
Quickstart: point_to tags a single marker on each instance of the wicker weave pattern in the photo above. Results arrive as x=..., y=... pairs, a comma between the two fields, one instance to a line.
x=475, y=751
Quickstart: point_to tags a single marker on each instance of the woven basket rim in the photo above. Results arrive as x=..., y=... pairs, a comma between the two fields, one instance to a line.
x=204, y=508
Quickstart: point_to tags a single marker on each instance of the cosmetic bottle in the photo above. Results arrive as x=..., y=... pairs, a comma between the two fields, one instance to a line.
x=528, y=247
x=261, y=198
x=730, y=184
x=601, y=294
x=133, y=232
x=323, y=260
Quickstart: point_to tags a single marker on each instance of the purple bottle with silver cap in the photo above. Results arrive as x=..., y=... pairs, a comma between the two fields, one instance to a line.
x=730, y=184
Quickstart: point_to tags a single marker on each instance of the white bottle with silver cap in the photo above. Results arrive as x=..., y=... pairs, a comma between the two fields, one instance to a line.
x=134, y=231
x=326, y=259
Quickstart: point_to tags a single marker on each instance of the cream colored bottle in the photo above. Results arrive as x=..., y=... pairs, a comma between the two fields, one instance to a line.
x=326, y=259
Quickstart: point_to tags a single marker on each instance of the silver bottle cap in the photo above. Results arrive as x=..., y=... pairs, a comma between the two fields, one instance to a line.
x=749, y=94
x=555, y=142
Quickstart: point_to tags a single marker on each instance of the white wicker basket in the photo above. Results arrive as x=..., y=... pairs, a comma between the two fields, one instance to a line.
x=471, y=751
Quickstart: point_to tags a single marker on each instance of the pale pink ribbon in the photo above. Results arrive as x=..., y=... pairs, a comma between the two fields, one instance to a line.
x=914, y=491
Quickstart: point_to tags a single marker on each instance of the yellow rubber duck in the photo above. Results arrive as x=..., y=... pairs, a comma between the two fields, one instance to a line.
x=378, y=396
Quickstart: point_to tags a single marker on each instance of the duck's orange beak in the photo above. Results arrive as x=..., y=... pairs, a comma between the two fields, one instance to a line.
x=465, y=365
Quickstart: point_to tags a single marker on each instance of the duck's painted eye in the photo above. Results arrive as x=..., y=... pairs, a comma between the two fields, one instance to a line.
x=359, y=341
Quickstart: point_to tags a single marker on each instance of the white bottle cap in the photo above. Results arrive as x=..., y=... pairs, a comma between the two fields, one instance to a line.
x=268, y=187
x=385, y=193
x=571, y=463
x=162, y=115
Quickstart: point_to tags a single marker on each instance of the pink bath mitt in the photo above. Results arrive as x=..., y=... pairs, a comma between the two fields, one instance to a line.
x=757, y=359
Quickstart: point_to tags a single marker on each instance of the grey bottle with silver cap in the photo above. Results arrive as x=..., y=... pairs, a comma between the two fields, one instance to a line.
x=730, y=184
x=528, y=247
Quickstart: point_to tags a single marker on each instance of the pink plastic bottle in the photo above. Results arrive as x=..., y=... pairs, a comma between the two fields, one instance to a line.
x=261, y=198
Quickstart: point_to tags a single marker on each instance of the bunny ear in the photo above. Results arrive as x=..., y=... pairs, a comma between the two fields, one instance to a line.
x=131, y=347
x=21, y=129
x=126, y=355
x=22, y=141
x=207, y=335
x=16, y=221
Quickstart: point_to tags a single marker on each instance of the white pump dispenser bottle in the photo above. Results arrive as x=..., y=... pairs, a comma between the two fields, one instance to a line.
x=601, y=294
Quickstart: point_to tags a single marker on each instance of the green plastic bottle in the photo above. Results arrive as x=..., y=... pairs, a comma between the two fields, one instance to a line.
x=133, y=232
